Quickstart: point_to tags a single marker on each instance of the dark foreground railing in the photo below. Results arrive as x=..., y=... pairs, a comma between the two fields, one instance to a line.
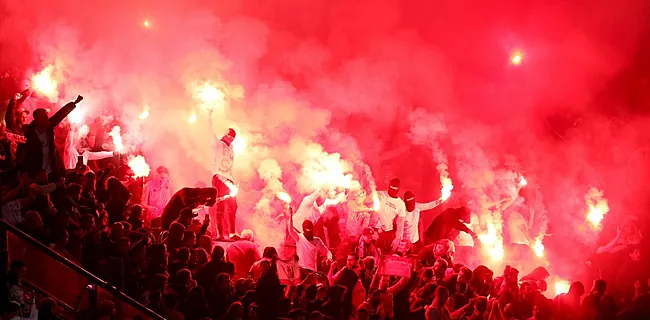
x=64, y=280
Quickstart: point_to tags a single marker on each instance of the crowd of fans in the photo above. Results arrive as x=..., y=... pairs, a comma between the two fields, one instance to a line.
x=94, y=219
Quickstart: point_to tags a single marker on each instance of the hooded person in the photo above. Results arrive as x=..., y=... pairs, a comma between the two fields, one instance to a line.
x=186, y=198
x=309, y=248
x=314, y=206
x=412, y=225
x=448, y=224
x=225, y=212
x=389, y=220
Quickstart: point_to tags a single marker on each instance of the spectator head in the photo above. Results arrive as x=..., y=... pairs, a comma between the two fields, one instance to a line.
x=21, y=119
x=199, y=256
x=229, y=137
x=18, y=268
x=269, y=252
x=39, y=176
x=197, y=294
x=542, y=286
x=123, y=245
x=33, y=220
x=41, y=118
x=369, y=263
x=441, y=296
x=158, y=283
x=335, y=293
x=61, y=239
x=308, y=229
x=183, y=255
x=481, y=304
x=439, y=268
x=409, y=201
x=176, y=232
x=74, y=191
x=205, y=242
x=352, y=260
x=47, y=305
x=247, y=235
x=223, y=281
x=155, y=298
x=117, y=230
x=183, y=277
x=576, y=289
x=87, y=221
x=136, y=212
x=162, y=173
x=464, y=214
x=393, y=187
x=599, y=287
x=427, y=275
x=217, y=254
x=229, y=268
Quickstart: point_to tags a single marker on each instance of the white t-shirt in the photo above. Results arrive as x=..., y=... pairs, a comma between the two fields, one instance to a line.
x=465, y=239
x=224, y=157
x=412, y=220
x=389, y=209
x=515, y=223
x=310, y=210
x=308, y=251
x=45, y=147
x=12, y=212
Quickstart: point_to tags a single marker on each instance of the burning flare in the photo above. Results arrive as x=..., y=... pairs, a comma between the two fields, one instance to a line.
x=285, y=197
x=538, y=248
x=523, y=182
x=447, y=186
x=139, y=167
x=233, y=188
x=561, y=286
x=76, y=116
x=117, y=139
x=239, y=144
x=145, y=113
x=44, y=83
x=597, y=207
x=516, y=58
x=192, y=118
x=375, y=200
x=146, y=23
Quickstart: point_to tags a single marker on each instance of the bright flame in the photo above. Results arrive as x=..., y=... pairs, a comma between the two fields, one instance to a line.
x=523, y=182
x=139, y=166
x=234, y=190
x=597, y=207
x=145, y=113
x=209, y=96
x=562, y=286
x=491, y=243
x=284, y=197
x=76, y=116
x=192, y=118
x=117, y=138
x=516, y=58
x=239, y=145
x=375, y=201
x=538, y=248
x=44, y=83
x=447, y=186
x=146, y=24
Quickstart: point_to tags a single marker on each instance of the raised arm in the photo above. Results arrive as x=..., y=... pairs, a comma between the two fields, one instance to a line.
x=429, y=205
x=100, y=155
x=292, y=231
x=64, y=112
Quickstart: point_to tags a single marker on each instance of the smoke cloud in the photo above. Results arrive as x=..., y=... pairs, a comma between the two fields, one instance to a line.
x=348, y=83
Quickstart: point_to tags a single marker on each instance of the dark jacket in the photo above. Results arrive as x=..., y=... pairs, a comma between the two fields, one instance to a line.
x=34, y=151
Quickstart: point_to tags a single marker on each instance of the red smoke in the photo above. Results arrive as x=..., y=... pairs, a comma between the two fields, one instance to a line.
x=347, y=75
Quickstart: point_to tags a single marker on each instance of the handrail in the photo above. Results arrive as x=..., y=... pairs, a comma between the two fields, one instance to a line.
x=47, y=294
x=91, y=278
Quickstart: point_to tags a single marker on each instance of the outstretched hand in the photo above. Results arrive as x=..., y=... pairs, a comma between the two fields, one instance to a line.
x=79, y=98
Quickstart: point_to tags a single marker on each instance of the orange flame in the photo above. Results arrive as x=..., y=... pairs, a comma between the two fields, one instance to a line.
x=561, y=286
x=375, y=201
x=516, y=58
x=139, y=167
x=284, y=197
x=44, y=83
x=447, y=186
x=597, y=207
x=117, y=138
x=538, y=248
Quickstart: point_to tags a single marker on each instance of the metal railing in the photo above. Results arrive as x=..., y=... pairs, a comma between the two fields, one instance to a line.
x=63, y=279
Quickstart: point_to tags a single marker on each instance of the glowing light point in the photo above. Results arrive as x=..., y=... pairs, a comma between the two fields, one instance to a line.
x=144, y=114
x=139, y=166
x=44, y=83
x=117, y=138
x=76, y=116
x=239, y=145
x=375, y=201
x=523, y=182
x=562, y=286
x=538, y=248
x=285, y=197
x=192, y=118
x=516, y=58
x=447, y=186
x=597, y=207
x=146, y=24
